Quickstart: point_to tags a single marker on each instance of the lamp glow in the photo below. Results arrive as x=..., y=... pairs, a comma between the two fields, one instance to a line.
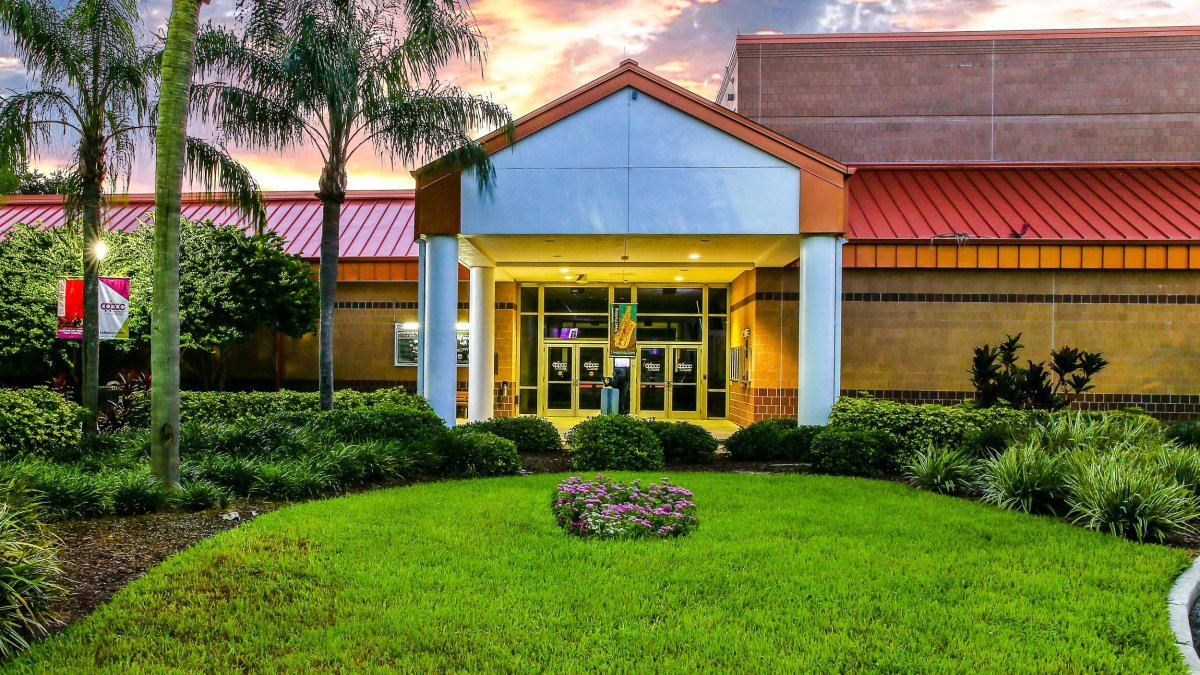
x=99, y=250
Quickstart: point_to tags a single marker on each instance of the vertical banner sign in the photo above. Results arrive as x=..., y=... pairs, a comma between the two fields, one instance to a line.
x=622, y=329
x=113, y=309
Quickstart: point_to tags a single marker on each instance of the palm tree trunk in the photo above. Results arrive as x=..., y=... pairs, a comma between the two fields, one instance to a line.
x=331, y=217
x=178, y=62
x=91, y=298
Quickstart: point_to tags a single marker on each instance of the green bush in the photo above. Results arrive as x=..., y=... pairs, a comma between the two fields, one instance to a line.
x=1118, y=496
x=942, y=470
x=474, y=453
x=854, y=452
x=1185, y=433
x=772, y=439
x=38, y=421
x=916, y=427
x=530, y=433
x=1180, y=464
x=1095, y=432
x=382, y=422
x=227, y=406
x=137, y=492
x=684, y=442
x=286, y=480
x=29, y=573
x=1026, y=478
x=613, y=442
x=235, y=474
x=198, y=495
x=63, y=491
x=271, y=435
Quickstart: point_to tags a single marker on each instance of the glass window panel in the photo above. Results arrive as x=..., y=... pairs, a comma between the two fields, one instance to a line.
x=562, y=327
x=529, y=402
x=718, y=356
x=718, y=301
x=529, y=345
x=668, y=328
x=670, y=300
x=529, y=301
x=576, y=299
x=623, y=294
x=716, y=404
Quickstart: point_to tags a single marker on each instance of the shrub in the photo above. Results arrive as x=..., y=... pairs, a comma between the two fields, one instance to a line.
x=473, y=453
x=614, y=442
x=1000, y=379
x=1180, y=465
x=1026, y=478
x=289, y=479
x=685, y=442
x=916, y=427
x=1118, y=496
x=198, y=495
x=382, y=422
x=530, y=433
x=38, y=421
x=778, y=438
x=271, y=435
x=853, y=452
x=137, y=492
x=228, y=406
x=1095, y=432
x=608, y=510
x=1185, y=433
x=63, y=491
x=235, y=474
x=29, y=569
x=942, y=470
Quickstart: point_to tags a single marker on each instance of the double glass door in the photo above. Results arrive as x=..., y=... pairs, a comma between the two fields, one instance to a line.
x=574, y=378
x=668, y=381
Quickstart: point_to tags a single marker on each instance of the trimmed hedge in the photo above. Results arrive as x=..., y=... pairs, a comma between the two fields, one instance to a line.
x=916, y=427
x=530, y=433
x=475, y=453
x=773, y=439
x=684, y=442
x=227, y=406
x=614, y=442
x=855, y=452
x=38, y=421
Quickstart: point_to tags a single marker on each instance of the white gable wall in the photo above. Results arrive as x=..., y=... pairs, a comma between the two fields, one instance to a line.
x=625, y=165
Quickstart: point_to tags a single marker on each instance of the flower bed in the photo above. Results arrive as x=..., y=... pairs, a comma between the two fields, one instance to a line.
x=606, y=509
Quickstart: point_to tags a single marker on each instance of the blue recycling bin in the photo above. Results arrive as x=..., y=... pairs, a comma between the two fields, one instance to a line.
x=610, y=401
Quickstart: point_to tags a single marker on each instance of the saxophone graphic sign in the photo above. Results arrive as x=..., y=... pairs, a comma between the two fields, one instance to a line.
x=113, y=308
x=622, y=329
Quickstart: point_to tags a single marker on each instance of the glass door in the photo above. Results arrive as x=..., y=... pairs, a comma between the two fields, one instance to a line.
x=652, y=381
x=574, y=378
x=684, y=391
x=560, y=380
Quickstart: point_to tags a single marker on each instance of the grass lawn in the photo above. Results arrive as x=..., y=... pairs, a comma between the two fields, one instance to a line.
x=786, y=573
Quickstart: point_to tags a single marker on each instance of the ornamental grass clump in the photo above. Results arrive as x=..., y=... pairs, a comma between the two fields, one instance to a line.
x=604, y=509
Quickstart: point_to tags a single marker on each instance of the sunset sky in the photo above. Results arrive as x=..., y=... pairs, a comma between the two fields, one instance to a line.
x=540, y=49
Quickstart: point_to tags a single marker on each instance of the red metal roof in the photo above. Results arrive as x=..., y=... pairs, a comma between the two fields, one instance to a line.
x=374, y=224
x=1127, y=203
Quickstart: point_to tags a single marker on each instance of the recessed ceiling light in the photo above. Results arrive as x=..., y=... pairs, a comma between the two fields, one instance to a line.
x=564, y=270
x=678, y=278
x=694, y=256
x=568, y=277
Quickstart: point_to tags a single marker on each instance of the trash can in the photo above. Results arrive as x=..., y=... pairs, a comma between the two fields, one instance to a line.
x=610, y=400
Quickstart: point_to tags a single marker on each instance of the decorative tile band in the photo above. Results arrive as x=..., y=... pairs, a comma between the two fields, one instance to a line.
x=772, y=296
x=1032, y=298
x=1167, y=407
x=397, y=304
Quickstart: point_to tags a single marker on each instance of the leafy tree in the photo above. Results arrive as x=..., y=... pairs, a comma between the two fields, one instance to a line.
x=341, y=75
x=999, y=379
x=95, y=84
x=232, y=286
x=22, y=180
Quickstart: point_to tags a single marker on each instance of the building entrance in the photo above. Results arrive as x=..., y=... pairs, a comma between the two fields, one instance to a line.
x=574, y=378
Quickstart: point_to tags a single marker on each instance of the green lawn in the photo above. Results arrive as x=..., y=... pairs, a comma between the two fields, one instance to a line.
x=786, y=573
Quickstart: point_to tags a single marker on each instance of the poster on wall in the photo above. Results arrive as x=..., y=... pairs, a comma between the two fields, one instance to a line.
x=622, y=329
x=406, y=346
x=113, y=308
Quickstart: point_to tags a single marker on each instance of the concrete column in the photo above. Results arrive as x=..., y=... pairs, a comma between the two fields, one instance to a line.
x=421, y=305
x=441, y=313
x=820, y=354
x=481, y=376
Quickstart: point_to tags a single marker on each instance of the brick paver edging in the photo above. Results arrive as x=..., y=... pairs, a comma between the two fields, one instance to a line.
x=1179, y=606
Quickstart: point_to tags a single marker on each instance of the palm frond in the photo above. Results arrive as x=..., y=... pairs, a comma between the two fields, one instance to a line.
x=41, y=39
x=31, y=120
x=213, y=167
x=249, y=116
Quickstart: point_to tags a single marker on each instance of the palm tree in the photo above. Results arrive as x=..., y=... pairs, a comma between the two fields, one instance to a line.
x=96, y=92
x=341, y=75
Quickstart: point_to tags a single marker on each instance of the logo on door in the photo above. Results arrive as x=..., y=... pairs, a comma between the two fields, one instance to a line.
x=683, y=367
x=651, y=366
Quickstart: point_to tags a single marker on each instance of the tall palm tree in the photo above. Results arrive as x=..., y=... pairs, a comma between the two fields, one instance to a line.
x=96, y=92
x=341, y=75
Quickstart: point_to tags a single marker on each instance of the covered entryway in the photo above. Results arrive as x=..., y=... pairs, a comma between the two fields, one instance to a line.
x=633, y=192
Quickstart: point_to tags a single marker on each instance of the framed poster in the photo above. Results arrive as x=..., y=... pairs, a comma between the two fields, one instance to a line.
x=406, y=346
x=622, y=329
